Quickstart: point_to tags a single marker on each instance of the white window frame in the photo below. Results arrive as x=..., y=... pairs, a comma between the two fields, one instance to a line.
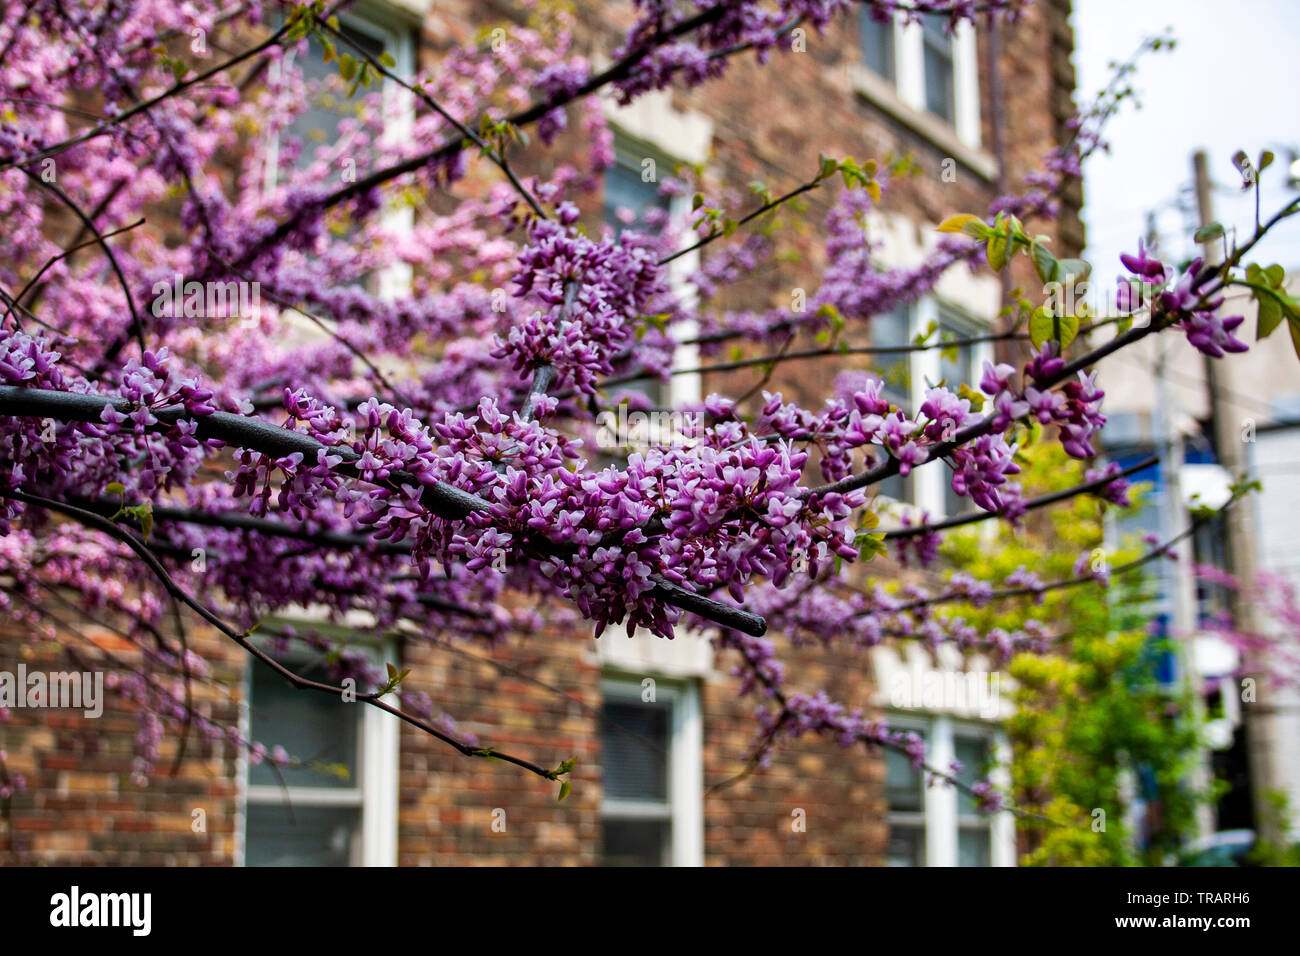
x=940, y=804
x=925, y=370
x=681, y=388
x=383, y=23
x=684, y=808
x=394, y=26
x=375, y=793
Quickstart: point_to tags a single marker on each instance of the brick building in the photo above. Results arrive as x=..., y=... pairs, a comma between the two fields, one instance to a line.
x=975, y=112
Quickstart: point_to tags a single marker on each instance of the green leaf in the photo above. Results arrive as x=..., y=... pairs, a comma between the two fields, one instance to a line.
x=115, y=488
x=1045, y=263
x=1294, y=326
x=1274, y=275
x=388, y=59
x=975, y=398
x=566, y=767
x=870, y=545
x=997, y=250
x=347, y=66
x=565, y=787
x=1209, y=231
x=1070, y=271
x=1270, y=316
x=1045, y=327
x=958, y=223
x=827, y=166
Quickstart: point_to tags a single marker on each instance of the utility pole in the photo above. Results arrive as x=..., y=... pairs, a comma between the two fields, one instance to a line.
x=1241, y=546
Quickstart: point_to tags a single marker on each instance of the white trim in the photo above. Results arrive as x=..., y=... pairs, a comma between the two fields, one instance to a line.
x=940, y=801
x=305, y=796
x=689, y=654
x=1003, y=848
x=380, y=770
x=687, y=135
x=684, y=808
x=909, y=64
x=966, y=85
x=375, y=793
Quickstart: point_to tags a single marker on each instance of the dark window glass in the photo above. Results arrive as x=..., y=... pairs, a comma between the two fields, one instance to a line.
x=876, y=40
x=315, y=729
x=955, y=370
x=974, y=847
x=902, y=783
x=893, y=330
x=905, y=799
x=634, y=748
x=973, y=754
x=634, y=842
x=319, y=123
x=279, y=835
x=906, y=846
x=628, y=196
x=939, y=79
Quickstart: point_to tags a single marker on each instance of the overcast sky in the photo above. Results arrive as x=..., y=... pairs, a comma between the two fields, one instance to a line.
x=1230, y=84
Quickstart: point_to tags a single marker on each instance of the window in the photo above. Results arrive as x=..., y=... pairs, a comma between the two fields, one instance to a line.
x=905, y=798
x=924, y=77
x=957, y=366
x=940, y=825
x=631, y=197
x=894, y=330
x=335, y=805
x=906, y=376
x=877, y=43
x=937, y=57
x=629, y=194
x=375, y=29
x=633, y=201
x=974, y=833
x=319, y=123
x=650, y=740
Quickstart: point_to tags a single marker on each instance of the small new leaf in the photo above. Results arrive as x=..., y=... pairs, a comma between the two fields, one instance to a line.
x=1209, y=231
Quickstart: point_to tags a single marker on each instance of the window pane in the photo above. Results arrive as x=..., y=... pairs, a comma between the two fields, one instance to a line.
x=634, y=750
x=893, y=330
x=973, y=754
x=312, y=836
x=319, y=123
x=634, y=842
x=314, y=728
x=938, y=70
x=902, y=783
x=906, y=846
x=956, y=370
x=628, y=197
x=877, y=42
x=973, y=847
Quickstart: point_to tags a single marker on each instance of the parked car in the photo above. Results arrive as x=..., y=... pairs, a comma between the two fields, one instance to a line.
x=1225, y=848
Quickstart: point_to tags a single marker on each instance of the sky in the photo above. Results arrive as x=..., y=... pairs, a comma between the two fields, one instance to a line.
x=1231, y=83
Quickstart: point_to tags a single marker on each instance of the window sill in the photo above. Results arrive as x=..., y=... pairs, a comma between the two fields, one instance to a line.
x=882, y=95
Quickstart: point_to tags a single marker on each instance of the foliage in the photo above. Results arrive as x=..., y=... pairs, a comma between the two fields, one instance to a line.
x=1089, y=713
